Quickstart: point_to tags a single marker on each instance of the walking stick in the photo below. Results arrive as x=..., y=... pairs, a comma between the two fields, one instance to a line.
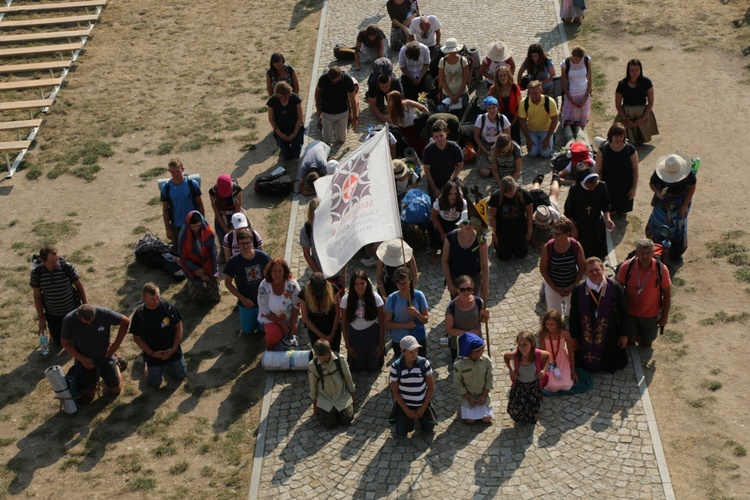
x=487, y=334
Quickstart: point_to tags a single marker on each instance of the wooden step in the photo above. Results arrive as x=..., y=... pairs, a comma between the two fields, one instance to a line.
x=40, y=49
x=15, y=125
x=49, y=35
x=28, y=68
x=38, y=103
x=14, y=145
x=52, y=6
x=88, y=18
x=31, y=84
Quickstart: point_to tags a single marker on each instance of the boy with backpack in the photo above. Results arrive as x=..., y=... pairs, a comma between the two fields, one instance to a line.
x=412, y=386
x=180, y=195
x=331, y=386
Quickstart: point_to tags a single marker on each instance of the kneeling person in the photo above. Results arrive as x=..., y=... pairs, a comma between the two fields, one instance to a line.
x=472, y=378
x=331, y=386
x=157, y=329
x=85, y=335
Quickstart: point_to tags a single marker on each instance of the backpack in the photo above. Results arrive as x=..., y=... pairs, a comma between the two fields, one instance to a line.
x=274, y=184
x=319, y=369
x=230, y=239
x=415, y=207
x=497, y=125
x=586, y=59
x=191, y=179
x=343, y=53
x=630, y=261
x=537, y=362
x=526, y=104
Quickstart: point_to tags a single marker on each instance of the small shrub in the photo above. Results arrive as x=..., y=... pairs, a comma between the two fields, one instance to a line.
x=711, y=385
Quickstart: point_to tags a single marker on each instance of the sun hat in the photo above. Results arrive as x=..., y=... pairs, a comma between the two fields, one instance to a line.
x=408, y=343
x=498, y=51
x=598, y=141
x=490, y=101
x=399, y=168
x=239, y=221
x=674, y=167
x=542, y=216
x=389, y=253
x=451, y=45
x=224, y=186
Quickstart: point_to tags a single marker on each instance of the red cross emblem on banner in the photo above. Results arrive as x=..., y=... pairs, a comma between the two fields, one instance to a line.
x=350, y=184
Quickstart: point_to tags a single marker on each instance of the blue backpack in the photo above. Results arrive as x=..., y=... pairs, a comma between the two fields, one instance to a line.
x=415, y=207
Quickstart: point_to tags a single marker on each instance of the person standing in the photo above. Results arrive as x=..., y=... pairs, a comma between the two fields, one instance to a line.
x=180, y=195
x=617, y=165
x=561, y=265
x=57, y=290
x=596, y=315
x=512, y=219
x=85, y=335
x=226, y=200
x=335, y=101
x=648, y=294
x=157, y=329
x=285, y=117
x=243, y=275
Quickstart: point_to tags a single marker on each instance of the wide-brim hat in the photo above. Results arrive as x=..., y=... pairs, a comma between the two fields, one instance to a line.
x=389, y=253
x=451, y=45
x=542, y=216
x=399, y=168
x=498, y=51
x=674, y=167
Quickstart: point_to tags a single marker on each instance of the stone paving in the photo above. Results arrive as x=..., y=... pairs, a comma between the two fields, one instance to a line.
x=594, y=445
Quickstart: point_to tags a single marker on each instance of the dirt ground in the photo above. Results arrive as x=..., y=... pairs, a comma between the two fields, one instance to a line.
x=163, y=79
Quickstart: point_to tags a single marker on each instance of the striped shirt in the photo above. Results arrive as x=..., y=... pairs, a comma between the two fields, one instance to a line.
x=412, y=386
x=58, y=294
x=563, y=267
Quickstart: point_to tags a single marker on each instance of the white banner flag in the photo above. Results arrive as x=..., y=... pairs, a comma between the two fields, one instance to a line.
x=358, y=205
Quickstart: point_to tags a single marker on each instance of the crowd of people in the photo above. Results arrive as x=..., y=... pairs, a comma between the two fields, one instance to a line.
x=590, y=318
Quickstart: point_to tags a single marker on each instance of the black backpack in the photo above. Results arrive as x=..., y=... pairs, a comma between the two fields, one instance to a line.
x=321, y=376
x=526, y=104
x=274, y=185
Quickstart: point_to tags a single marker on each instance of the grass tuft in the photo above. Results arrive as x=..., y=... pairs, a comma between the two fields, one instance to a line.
x=743, y=274
x=723, y=317
x=142, y=484
x=153, y=173
x=674, y=336
x=711, y=385
x=178, y=468
x=724, y=248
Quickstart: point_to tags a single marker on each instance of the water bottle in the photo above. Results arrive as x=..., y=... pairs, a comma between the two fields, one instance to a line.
x=696, y=164
x=44, y=342
x=370, y=128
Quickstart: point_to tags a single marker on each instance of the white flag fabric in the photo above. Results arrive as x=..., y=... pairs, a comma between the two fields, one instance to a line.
x=358, y=205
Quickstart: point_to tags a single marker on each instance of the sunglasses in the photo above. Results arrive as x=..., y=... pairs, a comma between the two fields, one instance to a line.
x=465, y=289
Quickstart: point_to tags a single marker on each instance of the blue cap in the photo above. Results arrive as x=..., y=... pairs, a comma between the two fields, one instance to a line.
x=490, y=101
x=469, y=342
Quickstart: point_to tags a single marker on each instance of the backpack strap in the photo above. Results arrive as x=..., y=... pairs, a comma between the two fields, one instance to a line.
x=319, y=369
x=538, y=360
x=526, y=104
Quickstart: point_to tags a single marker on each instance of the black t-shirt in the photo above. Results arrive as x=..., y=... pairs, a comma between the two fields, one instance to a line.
x=634, y=96
x=285, y=117
x=509, y=210
x=539, y=198
x=247, y=273
x=374, y=92
x=323, y=320
x=90, y=340
x=334, y=98
x=157, y=328
x=398, y=11
x=365, y=40
x=442, y=163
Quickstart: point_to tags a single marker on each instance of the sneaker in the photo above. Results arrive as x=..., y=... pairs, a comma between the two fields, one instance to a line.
x=555, y=177
x=538, y=179
x=371, y=262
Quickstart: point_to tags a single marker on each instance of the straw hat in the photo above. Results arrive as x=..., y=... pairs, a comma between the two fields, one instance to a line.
x=673, y=168
x=498, y=51
x=451, y=45
x=542, y=216
x=389, y=252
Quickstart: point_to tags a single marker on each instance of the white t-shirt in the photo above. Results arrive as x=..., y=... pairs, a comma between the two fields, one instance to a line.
x=360, y=323
x=414, y=68
x=492, y=130
x=450, y=215
x=577, y=79
x=430, y=38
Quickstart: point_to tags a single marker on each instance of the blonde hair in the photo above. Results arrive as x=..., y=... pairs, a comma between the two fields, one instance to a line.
x=527, y=335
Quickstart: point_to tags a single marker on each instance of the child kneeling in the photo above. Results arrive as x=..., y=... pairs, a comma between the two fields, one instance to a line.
x=331, y=386
x=472, y=378
x=528, y=375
